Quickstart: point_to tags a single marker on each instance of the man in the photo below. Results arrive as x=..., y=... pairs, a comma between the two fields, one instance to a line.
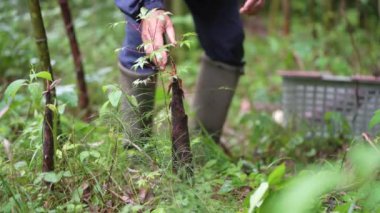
x=220, y=32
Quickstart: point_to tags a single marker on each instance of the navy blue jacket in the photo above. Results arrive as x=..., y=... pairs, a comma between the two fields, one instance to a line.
x=131, y=8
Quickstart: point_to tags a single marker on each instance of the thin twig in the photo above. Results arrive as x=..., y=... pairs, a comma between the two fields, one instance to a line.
x=369, y=140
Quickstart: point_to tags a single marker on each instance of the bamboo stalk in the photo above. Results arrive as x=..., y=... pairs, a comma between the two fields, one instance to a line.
x=329, y=17
x=362, y=14
x=44, y=57
x=286, y=7
x=77, y=57
x=273, y=14
x=313, y=16
x=181, y=150
x=342, y=8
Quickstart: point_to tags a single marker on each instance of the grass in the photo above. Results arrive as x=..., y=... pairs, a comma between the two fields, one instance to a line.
x=95, y=173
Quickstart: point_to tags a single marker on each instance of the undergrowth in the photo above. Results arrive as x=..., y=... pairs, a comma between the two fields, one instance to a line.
x=270, y=170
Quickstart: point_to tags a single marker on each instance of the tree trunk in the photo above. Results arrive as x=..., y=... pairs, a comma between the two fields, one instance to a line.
x=342, y=8
x=182, y=156
x=362, y=14
x=77, y=57
x=286, y=7
x=378, y=10
x=313, y=15
x=273, y=14
x=329, y=14
x=44, y=57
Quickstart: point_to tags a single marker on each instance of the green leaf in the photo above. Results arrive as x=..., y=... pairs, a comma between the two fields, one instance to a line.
x=226, y=187
x=145, y=13
x=115, y=24
x=256, y=198
x=159, y=210
x=77, y=195
x=83, y=155
x=110, y=87
x=35, y=90
x=132, y=100
x=12, y=89
x=103, y=109
x=67, y=174
x=374, y=120
x=343, y=207
x=189, y=34
x=20, y=164
x=210, y=163
x=70, y=98
x=69, y=146
x=95, y=154
x=141, y=62
x=114, y=97
x=61, y=108
x=39, y=178
x=141, y=182
x=186, y=43
x=52, y=107
x=52, y=177
x=117, y=50
x=43, y=74
x=276, y=176
x=58, y=153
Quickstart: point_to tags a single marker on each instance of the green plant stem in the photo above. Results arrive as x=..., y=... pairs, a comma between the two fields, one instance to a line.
x=165, y=100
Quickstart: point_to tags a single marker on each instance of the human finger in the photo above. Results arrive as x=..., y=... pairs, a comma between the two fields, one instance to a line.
x=169, y=29
x=247, y=5
x=160, y=56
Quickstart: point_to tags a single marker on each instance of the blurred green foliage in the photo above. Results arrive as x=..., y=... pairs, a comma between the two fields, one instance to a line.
x=95, y=173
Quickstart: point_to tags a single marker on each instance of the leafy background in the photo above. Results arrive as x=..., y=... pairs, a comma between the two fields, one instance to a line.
x=272, y=168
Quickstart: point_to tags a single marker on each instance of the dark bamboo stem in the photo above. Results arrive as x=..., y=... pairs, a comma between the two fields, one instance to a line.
x=43, y=52
x=181, y=150
x=361, y=12
x=329, y=17
x=342, y=8
x=77, y=57
x=273, y=14
x=313, y=15
x=286, y=7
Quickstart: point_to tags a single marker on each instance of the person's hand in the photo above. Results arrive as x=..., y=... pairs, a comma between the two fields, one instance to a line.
x=251, y=7
x=152, y=32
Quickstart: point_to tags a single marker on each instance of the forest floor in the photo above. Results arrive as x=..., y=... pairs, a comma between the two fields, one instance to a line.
x=95, y=173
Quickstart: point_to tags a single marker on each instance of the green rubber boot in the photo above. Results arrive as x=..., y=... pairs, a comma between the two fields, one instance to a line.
x=215, y=89
x=137, y=117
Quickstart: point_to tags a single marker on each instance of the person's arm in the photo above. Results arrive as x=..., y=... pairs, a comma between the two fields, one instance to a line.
x=132, y=8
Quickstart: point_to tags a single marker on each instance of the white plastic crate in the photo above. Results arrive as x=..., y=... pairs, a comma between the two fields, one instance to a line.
x=308, y=96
